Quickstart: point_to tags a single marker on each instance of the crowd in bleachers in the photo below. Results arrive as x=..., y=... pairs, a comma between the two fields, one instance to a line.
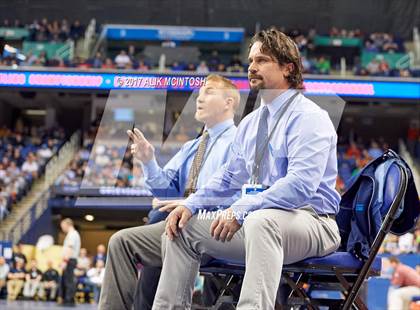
x=353, y=156
x=130, y=59
x=49, y=31
x=23, y=155
x=22, y=278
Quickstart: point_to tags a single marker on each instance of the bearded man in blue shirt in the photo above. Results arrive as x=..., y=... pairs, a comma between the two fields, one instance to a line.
x=284, y=163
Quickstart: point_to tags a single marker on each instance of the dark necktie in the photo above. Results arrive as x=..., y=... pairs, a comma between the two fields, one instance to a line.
x=261, y=138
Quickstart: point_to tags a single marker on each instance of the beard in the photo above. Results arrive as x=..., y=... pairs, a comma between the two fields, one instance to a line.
x=256, y=86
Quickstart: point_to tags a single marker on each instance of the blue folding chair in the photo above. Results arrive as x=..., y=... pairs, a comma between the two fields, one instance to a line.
x=340, y=271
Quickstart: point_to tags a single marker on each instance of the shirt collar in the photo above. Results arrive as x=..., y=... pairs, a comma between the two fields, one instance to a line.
x=219, y=128
x=276, y=104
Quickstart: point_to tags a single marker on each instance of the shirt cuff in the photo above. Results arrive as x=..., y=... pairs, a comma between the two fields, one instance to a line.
x=245, y=205
x=150, y=168
x=190, y=207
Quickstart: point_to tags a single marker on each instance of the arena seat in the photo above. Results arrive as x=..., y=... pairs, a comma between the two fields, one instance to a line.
x=339, y=271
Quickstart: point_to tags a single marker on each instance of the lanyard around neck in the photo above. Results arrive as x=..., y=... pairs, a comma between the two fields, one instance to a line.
x=259, y=153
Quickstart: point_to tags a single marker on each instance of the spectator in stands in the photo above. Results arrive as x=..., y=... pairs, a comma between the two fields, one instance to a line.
x=44, y=153
x=100, y=254
x=405, y=283
x=389, y=45
x=18, y=255
x=214, y=61
x=353, y=151
x=235, y=64
x=76, y=30
x=202, y=68
x=374, y=150
x=97, y=61
x=370, y=47
x=49, y=283
x=30, y=165
x=307, y=65
x=95, y=279
x=4, y=271
x=42, y=59
x=142, y=66
x=108, y=64
x=236, y=68
x=122, y=60
x=176, y=66
x=30, y=59
x=33, y=280
x=334, y=32
x=6, y=23
x=301, y=42
x=383, y=67
x=221, y=67
x=83, y=261
x=373, y=67
x=323, y=65
x=64, y=30
x=236, y=61
x=132, y=54
x=4, y=211
x=357, y=163
x=16, y=280
x=191, y=67
x=18, y=140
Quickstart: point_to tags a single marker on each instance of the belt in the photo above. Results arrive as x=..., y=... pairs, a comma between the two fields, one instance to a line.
x=331, y=216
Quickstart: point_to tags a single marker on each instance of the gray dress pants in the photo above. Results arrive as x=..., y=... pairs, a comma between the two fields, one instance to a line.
x=267, y=239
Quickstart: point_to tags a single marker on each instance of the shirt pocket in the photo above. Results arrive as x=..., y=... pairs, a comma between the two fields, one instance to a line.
x=278, y=162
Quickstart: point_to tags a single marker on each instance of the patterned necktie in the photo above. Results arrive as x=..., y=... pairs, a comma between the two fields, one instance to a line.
x=262, y=136
x=196, y=165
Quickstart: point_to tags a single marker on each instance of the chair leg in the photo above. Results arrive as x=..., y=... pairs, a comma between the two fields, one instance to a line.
x=347, y=287
x=300, y=292
x=225, y=283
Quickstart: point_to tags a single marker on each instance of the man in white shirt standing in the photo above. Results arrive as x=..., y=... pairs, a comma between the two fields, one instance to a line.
x=4, y=270
x=71, y=249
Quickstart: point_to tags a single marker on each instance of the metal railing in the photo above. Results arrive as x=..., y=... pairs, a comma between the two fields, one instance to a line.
x=59, y=162
x=89, y=38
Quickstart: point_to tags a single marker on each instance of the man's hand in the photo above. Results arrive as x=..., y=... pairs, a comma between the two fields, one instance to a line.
x=224, y=226
x=166, y=205
x=141, y=149
x=180, y=215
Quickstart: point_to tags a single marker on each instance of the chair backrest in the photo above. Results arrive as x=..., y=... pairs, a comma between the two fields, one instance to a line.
x=377, y=192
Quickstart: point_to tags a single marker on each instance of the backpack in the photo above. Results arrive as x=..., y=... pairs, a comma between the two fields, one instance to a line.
x=364, y=205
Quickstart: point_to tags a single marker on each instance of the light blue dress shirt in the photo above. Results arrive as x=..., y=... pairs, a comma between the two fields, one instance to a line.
x=170, y=181
x=300, y=169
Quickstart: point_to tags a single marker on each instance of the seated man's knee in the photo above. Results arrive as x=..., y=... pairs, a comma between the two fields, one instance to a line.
x=117, y=239
x=257, y=221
